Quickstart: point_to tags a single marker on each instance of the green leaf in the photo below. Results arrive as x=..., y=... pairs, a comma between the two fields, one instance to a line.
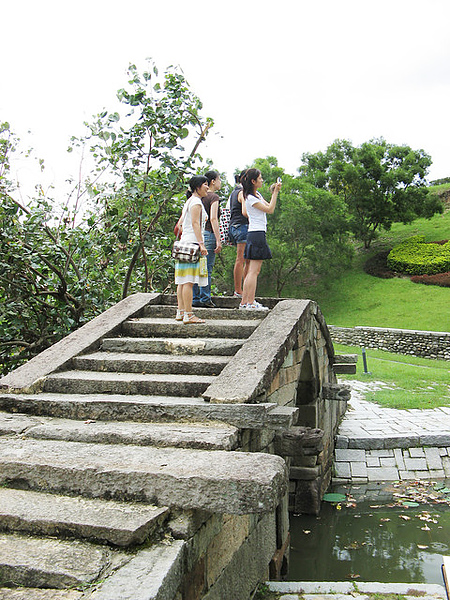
x=332, y=497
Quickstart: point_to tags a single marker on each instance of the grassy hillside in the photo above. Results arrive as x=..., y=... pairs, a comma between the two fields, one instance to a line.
x=356, y=298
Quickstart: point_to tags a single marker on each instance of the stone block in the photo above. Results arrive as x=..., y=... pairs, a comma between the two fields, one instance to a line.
x=350, y=455
x=248, y=565
x=216, y=481
x=305, y=473
x=415, y=464
x=235, y=529
x=118, y=523
x=382, y=474
x=153, y=574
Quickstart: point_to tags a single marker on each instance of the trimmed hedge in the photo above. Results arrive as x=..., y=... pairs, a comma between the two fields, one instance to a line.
x=416, y=257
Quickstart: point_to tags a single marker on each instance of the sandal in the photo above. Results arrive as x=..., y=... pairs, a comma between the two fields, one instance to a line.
x=191, y=318
x=180, y=314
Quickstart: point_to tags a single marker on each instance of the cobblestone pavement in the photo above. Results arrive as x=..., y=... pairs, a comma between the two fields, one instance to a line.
x=386, y=444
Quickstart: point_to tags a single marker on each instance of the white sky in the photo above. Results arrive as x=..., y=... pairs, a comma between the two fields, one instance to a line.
x=278, y=78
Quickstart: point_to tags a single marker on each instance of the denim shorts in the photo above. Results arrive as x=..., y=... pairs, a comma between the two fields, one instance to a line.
x=238, y=233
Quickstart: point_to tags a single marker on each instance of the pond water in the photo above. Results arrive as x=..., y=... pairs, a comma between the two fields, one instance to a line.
x=395, y=533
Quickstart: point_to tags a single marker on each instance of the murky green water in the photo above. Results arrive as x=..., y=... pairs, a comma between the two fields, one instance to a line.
x=374, y=536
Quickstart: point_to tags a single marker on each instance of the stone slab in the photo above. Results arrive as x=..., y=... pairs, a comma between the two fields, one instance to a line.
x=153, y=574
x=205, y=436
x=121, y=407
x=30, y=374
x=218, y=481
x=150, y=363
x=16, y=424
x=217, y=328
x=87, y=382
x=119, y=523
x=191, y=346
x=45, y=562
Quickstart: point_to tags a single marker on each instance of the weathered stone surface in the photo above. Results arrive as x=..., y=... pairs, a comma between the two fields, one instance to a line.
x=206, y=436
x=153, y=574
x=150, y=363
x=345, y=358
x=119, y=523
x=38, y=594
x=137, y=408
x=218, y=481
x=82, y=339
x=168, y=312
x=344, y=368
x=295, y=440
x=88, y=382
x=174, y=346
x=14, y=424
x=240, y=577
x=282, y=417
x=40, y=562
x=147, y=327
x=250, y=372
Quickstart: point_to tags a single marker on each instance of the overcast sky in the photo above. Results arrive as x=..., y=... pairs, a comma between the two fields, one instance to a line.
x=278, y=78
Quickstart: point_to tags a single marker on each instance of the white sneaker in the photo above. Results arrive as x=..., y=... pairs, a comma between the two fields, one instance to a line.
x=243, y=306
x=256, y=306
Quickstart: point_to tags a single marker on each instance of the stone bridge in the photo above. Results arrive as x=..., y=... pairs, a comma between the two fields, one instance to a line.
x=143, y=459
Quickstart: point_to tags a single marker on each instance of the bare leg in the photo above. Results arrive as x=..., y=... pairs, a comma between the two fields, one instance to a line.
x=186, y=292
x=250, y=281
x=239, y=267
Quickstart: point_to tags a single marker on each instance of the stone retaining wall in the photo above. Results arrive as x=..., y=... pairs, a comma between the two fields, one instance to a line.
x=426, y=344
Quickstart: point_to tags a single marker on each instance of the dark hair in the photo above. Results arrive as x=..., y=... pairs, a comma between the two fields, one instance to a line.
x=211, y=175
x=238, y=176
x=247, y=181
x=194, y=183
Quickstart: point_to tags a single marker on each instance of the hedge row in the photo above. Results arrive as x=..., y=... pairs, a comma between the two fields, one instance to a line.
x=416, y=257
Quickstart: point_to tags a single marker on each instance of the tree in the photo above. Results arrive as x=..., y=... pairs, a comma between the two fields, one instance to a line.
x=307, y=232
x=380, y=183
x=58, y=268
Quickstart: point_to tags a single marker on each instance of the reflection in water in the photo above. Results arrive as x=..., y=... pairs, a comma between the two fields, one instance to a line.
x=371, y=542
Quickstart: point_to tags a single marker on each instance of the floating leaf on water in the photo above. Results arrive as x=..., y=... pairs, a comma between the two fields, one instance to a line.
x=405, y=517
x=425, y=528
x=334, y=497
x=384, y=520
x=410, y=504
x=422, y=547
x=306, y=531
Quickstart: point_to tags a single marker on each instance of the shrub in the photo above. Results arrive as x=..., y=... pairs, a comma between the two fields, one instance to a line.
x=416, y=257
x=440, y=279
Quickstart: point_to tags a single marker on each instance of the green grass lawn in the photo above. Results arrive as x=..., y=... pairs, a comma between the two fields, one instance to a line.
x=356, y=298
x=416, y=382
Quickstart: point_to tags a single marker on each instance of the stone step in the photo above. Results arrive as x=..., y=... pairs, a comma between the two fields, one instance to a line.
x=119, y=523
x=120, y=407
x=204, y=436
x=215, y=328
x=150, y=363
x=88, y=382
x=51, y=563
x=172, y=346
x=168, y=312
x=216, y=481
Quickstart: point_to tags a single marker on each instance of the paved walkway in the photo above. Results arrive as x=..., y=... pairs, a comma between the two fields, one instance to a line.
x=386, y=444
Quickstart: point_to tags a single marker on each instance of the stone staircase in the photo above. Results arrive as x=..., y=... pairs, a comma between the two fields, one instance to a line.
x=109, y=459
